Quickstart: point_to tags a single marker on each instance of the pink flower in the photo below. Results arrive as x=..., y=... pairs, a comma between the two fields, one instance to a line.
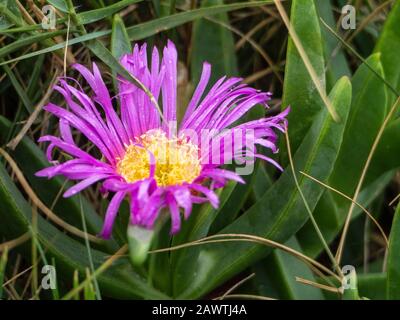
x=142, y=158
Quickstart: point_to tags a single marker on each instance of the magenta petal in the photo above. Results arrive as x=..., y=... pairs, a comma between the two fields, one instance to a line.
x=211, y=196
x=183, y=198
x=175, y=215
x=205, y=77
x=111, y=213
x=169, y=86
x=220, y=173
x=84, y=184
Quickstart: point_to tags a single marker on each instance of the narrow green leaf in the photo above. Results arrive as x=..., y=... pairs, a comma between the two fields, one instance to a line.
x=351, y=293
x=120, y=43
x=75, y=283
x=384, y=159
x=277, y=274
x=59, y=4
x=55, y=292
x=299, y=90
x=393, y=261
x=88, y=291
x=276, y=216
x=10, y=8
x=389, y=47
x=21, y=43
x=99, y=14
x=86, y=37
x=3, y=264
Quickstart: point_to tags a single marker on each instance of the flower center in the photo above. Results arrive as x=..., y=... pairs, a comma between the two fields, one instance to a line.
x=176, y=160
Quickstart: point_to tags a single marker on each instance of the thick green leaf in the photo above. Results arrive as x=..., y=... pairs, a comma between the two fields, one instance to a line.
x=389, y=47
x=10, y=8
x=276, y=216
x=231, y=209
x=120, y=43
x=213, y=43
x=262, y=183
x=299, y=90
x=365, y=118
x=276, y=276
x=371, y=286
x=59, y=4
x=335, y=59
x=384, y=159
x=119, y=281
x=393, y=261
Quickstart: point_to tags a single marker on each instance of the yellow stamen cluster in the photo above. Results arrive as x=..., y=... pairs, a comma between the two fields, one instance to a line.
x=176, y=160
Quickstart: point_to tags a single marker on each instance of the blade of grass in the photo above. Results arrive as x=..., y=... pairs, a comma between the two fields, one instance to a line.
x=89, y=253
